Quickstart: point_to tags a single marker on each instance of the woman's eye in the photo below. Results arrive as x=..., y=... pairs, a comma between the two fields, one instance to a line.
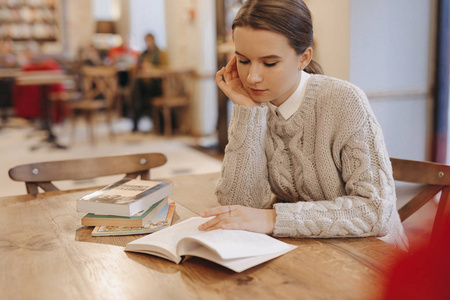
x=244, y=62
x=270, y=64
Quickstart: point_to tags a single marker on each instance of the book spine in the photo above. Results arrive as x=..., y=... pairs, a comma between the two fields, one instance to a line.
x=99, y=220
x=150, y=199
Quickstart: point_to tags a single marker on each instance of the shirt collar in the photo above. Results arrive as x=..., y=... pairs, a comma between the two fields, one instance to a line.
x=290, y=106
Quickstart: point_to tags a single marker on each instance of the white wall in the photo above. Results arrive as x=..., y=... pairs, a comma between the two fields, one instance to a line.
x=191, y=43
x=107, y=10
x=79, y=25
x=148, y=16
x=331, y=21
x=386, y=48
x=390, y=55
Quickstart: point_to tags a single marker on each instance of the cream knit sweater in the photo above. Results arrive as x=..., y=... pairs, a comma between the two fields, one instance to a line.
x=328, y=163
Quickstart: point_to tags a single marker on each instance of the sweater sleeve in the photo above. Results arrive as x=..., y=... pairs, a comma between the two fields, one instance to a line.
x=244, y=178
x=369, y=199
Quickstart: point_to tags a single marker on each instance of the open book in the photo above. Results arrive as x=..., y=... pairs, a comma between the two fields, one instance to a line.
x=237, y=250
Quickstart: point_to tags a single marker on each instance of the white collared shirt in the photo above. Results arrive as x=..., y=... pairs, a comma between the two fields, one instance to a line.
x=290, y=106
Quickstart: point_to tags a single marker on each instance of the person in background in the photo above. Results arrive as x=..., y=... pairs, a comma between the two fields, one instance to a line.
x=146, y=88
x=310, y=139
x=150, y=57
x=124, y=59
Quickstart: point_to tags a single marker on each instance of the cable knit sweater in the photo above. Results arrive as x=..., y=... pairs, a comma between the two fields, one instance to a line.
x=327, y=163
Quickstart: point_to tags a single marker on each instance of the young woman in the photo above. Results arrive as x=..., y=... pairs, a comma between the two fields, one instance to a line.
x=311, y=140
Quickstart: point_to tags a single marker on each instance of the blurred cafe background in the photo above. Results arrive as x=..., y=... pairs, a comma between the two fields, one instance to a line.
x=85, y=78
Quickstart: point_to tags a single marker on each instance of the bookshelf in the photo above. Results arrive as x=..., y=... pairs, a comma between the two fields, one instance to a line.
x=23, y=20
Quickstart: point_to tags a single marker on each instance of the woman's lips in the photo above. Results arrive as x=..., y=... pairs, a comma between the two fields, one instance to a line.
x=257, y=92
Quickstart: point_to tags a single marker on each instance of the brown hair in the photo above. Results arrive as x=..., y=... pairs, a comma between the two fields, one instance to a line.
x=290, y=18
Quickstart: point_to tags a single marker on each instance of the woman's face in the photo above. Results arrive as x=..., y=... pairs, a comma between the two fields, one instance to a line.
x=268, y=66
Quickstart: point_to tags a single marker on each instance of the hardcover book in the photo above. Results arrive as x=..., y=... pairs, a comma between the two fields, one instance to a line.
x=136, y=220
x=160, y=221
x=237, y=250
x=124, y=198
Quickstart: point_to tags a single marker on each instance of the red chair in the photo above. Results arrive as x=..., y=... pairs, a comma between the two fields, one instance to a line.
x=26, y=98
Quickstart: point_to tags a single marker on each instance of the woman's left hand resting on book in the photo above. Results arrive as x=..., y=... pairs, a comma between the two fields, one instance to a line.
x=239, y=217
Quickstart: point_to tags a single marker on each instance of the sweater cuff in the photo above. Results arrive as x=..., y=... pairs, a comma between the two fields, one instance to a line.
x=295, y=220
x=283, y=222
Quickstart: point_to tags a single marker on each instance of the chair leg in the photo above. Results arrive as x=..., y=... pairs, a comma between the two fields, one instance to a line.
x=156, y=120
x=442, y=218
x=32, y=187
x=185, y=126
x=167, y=121
x=91, y=125
x=73, y=120
x=110, y=125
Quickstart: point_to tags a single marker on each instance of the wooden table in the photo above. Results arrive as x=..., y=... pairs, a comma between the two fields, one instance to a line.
x=46, y=254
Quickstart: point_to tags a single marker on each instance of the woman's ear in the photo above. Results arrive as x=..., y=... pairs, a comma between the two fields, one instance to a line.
x=305, y=58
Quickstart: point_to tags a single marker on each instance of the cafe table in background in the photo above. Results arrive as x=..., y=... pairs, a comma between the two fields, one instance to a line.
x=44, y=79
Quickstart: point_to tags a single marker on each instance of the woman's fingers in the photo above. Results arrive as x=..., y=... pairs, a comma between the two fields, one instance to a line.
x=231, y=64
x=218, y=225
x=215, y=211
x=213, y=223
x=233, y=226
x=223, y=215
x=234, y=74
x=219, y=75
x=229, y=69
x=222, y=81
x=239, y=217
x=227, y=76
x=227, y=79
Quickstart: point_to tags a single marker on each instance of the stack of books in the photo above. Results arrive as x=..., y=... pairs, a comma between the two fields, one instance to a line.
x=128, y=206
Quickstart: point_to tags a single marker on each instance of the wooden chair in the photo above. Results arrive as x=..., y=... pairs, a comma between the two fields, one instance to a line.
x=124, y=94
x=42, y=174
x=176, y=95
x=99, y=86
x=436, y=178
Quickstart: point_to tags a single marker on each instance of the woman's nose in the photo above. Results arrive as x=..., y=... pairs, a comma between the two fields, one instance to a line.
x=254, y=75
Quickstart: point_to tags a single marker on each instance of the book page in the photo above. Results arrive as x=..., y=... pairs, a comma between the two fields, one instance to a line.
x=238, y=264
x=232, y=244
x=237, y=250
x=167, y=238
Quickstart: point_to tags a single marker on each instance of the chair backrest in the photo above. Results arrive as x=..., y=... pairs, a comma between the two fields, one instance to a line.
x=163, y=58
x=42, y=174
x=99, y=82
x=177, y=83
x=435, y=178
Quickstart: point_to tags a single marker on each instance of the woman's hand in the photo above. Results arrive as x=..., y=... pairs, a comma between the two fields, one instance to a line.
x=240, y=217
x=232, y=85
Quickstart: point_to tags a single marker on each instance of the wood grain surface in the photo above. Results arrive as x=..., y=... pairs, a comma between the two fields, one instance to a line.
x=45, y=253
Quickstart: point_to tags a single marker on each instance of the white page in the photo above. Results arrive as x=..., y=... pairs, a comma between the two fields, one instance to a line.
x=232, y=244
x=235, y=249
x=238, y=264
x=168, y=238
